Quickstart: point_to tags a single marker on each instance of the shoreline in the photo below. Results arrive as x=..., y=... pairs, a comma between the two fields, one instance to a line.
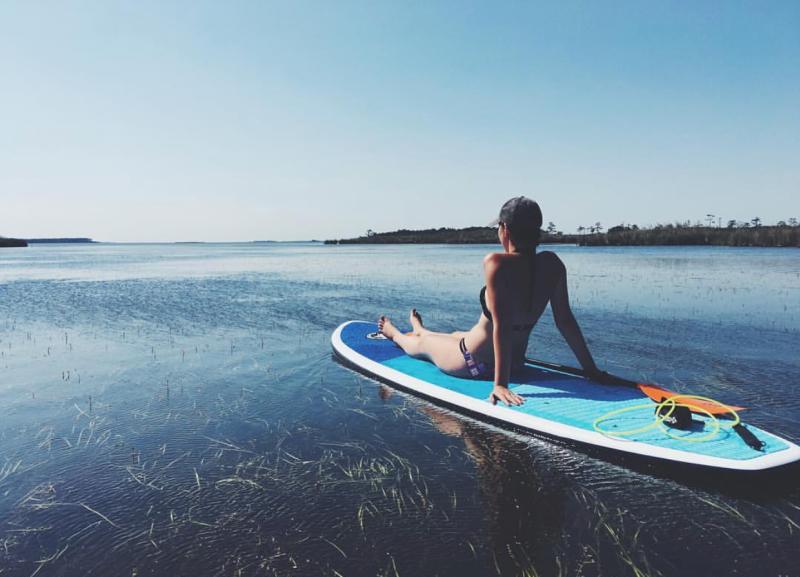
x=13, y=242
x=669, y=235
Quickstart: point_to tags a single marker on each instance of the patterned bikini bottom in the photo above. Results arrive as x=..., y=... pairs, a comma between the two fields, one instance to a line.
x=477, y=369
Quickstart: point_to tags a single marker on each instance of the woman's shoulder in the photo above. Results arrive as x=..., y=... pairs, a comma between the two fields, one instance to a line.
x=550, y=260
x=496, y=260
x=500, y=257
x=547, y=256
x=496, y=266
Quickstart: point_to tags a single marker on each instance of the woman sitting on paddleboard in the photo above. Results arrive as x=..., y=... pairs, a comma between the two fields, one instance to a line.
x=519, y=284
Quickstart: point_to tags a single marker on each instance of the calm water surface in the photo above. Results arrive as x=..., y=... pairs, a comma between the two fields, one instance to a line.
x=175, y=410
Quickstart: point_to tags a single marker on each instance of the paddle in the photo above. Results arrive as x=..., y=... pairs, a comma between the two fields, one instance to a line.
x=656, y=393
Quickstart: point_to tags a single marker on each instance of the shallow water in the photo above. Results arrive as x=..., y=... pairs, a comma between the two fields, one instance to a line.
x=175, y=409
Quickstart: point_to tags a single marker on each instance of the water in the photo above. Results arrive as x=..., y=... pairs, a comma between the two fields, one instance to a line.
x=175, y=409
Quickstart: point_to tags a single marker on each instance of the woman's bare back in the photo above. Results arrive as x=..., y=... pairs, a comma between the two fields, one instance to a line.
x=524, y=303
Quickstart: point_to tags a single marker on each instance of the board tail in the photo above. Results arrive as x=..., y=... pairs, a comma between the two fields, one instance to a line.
x=698, y=406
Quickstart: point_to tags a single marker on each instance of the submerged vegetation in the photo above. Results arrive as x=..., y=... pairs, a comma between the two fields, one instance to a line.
x=158, y=424
x=125, y=476
x=752, y=233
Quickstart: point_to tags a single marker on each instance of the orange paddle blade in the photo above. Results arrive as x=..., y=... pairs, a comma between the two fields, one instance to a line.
x=658, y=394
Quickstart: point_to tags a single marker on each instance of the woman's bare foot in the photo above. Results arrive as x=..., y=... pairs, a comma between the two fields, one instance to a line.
x=386, y=327
x=416, y=322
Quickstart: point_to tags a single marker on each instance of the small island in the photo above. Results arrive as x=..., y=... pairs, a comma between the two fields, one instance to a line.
x=470, y=235
x=78, y=240
x=12, y=242
x=20, y=242
x=752, y=233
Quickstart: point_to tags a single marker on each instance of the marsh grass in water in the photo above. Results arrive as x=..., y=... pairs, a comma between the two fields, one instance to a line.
x=192, y=420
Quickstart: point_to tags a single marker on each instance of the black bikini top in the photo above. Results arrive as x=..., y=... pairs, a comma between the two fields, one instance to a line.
x=488, y=313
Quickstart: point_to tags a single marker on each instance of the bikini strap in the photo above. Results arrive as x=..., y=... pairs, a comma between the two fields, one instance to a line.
x=472, y=366
x=485, y=308
x=533, y=277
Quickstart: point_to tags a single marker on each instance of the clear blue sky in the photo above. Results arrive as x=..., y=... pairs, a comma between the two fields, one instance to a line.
x=163, y=120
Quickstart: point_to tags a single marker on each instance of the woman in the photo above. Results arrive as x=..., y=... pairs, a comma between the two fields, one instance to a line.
x=519, y=284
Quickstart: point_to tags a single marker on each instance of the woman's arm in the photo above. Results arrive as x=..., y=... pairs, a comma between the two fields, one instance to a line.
x=568, y=326
x=498, y=300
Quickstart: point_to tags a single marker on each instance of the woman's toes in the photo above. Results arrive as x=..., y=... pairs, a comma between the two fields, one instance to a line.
x=385, y=326
x=416, y=320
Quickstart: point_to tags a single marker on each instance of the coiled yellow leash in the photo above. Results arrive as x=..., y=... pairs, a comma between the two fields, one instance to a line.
x=670, y=403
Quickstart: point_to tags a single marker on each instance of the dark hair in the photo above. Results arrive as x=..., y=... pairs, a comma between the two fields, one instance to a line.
x=525, y=238
x=523, y=220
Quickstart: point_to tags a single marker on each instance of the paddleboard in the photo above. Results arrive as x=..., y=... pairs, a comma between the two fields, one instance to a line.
x=566, y=405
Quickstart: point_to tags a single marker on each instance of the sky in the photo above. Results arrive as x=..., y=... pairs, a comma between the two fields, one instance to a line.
x=225, y=121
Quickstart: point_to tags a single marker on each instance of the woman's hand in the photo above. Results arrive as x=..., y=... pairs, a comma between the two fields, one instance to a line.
x=505, y=395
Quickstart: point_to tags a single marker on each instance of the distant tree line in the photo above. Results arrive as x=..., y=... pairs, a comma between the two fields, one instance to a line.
x=25, y=242
x=735, y=233
x=471, y=235
x=67, y=240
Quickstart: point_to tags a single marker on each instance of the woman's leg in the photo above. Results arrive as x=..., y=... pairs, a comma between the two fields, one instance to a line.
x=419, y=329
x=416, y=323
x=439, y=348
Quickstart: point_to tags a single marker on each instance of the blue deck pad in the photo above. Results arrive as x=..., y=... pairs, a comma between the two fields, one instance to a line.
x=570, y=400
x=355, y=336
